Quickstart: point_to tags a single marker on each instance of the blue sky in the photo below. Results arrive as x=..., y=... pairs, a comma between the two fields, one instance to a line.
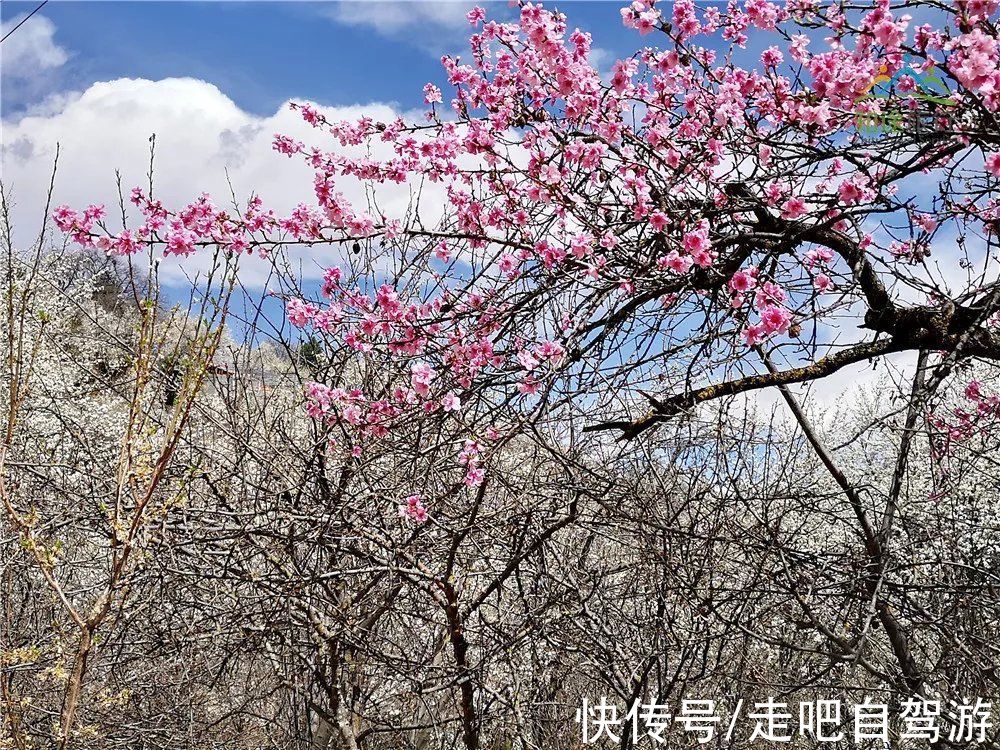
x=261, y=54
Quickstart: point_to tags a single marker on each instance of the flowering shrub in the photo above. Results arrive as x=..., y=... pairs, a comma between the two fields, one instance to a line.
x=644, y=233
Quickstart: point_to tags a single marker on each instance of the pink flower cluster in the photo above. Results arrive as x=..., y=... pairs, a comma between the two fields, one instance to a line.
x=567, y=190
x=961, y=425
x=402, y=330
x=470, y=457
x=414, y=509
x=769, y=301
x=351, y=409
x=198, y=224
x=975, y=62
x=79, y=226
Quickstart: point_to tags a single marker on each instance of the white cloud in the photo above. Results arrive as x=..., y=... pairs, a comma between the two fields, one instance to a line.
x=204, y=143
x=393, y=17
x=437, y=27
x=31, y=49
x=601, y=59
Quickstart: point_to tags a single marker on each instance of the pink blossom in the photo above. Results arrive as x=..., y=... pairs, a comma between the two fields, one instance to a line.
x=551, y=351
x=698, y=246
x=309, y=114
x=797, y=50
x=993, y=164
x=470, y=457
x=451, y=402
x=432, y=94
x=414, y=509
x=352, y=414
x=180, y=241
x=93, y=213
x=65, y=218
x=287, y=146
x=421, y=376
x=553, y=176
x=775, y=319
x=793, y=208
x=528, y=386
x=676, y=262
x=595, y=268
x=509, y=265
x=818, y=255
x=389, y=303
x=973, y=390
x=476, y=16
x=767, y=295
x=925, y=222
x=741, y=281
x=974, y=60
x=703, y=258
x=331, y=280
x=754, y=334
x=474, y=476
x=124, y=244
x=850, y=192
x=890, y=33
x=581, y=245
x=771, y=57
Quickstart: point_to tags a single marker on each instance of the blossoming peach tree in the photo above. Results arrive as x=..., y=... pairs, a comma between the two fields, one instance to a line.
x=617, y=247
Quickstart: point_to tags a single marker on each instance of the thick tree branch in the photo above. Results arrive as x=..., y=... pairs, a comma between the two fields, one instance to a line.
x=664, y=409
